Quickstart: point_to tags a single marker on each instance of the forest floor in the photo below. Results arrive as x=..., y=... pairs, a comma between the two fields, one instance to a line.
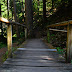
x=3, y=52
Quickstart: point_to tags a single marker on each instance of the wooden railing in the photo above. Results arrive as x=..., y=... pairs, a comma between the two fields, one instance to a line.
x=67, y=24
x=9, y=33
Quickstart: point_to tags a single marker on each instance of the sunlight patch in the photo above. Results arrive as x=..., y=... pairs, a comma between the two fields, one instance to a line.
x=36, y=49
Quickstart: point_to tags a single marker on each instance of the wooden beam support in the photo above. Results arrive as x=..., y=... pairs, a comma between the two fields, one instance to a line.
x=48, y=35
x=69, y=44
x=9, y=40
x=25, y=33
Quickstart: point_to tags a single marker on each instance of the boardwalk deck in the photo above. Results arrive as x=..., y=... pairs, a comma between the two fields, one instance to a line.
x=35, y=56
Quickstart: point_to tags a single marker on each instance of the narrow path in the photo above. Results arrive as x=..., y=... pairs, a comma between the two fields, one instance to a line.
x=35, y=56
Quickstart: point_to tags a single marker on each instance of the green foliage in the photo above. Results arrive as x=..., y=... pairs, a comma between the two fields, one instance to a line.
x=14, y=35
x=14, y=49
x=52, y=34
x=22, y=34
x=71, y=61
x=4, y=8
x=60, y=51
x=5, y=56
x=2, y=45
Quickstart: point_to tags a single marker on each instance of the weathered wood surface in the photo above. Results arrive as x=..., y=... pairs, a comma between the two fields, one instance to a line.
x=69, y=43
x=48, y=35
x=9, y=40
x=38, y=60
x=25, y=33
x=58, y=30
x=10, y=22
x=65, y=23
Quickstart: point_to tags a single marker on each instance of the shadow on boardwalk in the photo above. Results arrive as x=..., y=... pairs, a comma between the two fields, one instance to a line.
x=35, y=56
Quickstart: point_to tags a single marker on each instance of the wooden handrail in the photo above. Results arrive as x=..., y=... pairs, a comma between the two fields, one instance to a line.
x=10, y=22
x=61, y=23
x=4, y=20
x=57, y=30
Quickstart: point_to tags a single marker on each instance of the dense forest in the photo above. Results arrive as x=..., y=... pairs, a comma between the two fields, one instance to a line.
x=36, y=15
x=42, y=12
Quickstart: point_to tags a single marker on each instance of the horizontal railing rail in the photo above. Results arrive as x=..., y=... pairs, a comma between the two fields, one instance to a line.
x=65, y=23
x=10, y=22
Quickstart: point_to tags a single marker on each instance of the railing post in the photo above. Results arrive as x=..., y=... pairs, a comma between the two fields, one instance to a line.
x=69, y=44
x=48, y=36
x=25, y=33
x=9, y=40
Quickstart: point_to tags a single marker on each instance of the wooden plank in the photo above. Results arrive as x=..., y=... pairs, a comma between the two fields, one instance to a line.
x=9, y=40
x=69, y=44
x=58, y=30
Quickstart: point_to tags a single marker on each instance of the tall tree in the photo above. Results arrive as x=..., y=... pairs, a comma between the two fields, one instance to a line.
x=38, y=7
x=29, y=16
x=44, y=10
x=0, y=10
x=52, y=4
x=15, y=17
x=8, y=9
x=23, y=10
x=1, y=22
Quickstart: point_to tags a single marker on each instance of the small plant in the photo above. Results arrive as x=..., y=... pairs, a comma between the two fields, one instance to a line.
x=71, y=61
x=5, y=56
x=60, y=51
x=2, y=45
x=14, y=49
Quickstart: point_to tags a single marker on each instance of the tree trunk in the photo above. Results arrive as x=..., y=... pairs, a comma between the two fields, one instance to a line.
x=29, y=16
x=38, y=7
x=0, y=10
x=44, y=11
x=8, y=9
x=1, y=22
x=15, y=17
x=52, y=4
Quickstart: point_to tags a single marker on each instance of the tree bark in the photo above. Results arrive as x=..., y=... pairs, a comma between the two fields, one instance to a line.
x=0, y=10
x=52, y=4
x=8, y=9
x=44, y=11
x=29, y=16
x=38, y=7
x=15, y=17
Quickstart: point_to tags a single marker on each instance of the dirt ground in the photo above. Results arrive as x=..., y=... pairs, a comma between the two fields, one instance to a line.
x=2, y=52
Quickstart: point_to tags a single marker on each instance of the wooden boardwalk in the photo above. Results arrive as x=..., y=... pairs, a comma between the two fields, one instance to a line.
x=35, y=56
